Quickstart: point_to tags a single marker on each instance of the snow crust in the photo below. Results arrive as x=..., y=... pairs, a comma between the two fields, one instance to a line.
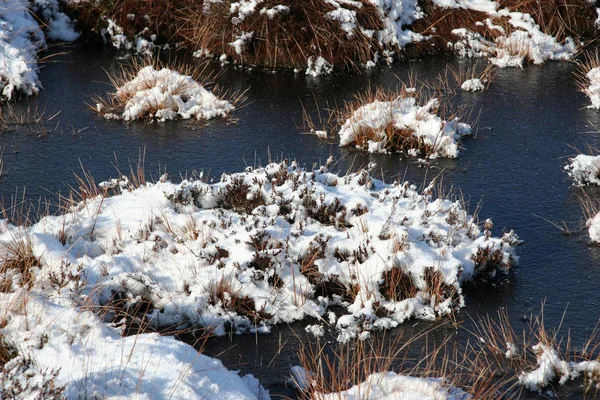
x=165, y=95
x=173, y=245
x=404, y=114
x=93, y=360
x=21, y=37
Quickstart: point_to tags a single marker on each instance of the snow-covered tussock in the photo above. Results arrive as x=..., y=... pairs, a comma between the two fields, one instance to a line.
x=272, y=245
x=61, y=347
x=584, y=169
x=21, y=37
x=403, y=125
x=552, y=367
x=523, y=42
x=163, y=95
x=593, y=88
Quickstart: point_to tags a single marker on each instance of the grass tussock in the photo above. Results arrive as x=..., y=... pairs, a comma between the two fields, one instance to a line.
x=284, y=39
x=401, y=137
x=126, y=94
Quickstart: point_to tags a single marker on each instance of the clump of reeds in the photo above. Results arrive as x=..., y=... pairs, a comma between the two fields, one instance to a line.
x=114, y=105
x=134, y=16
x=285, y=39
x=30, y=120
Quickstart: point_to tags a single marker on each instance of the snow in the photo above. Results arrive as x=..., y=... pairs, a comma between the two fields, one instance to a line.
x=391, y=386
x=404, y=114
x=584, y=169
x=165, y=94
x=270, y=238
x=487, y=6
x=525, y=43
x=472, y=85
x=318, y=66
x=593, y=90
x=550, y=367
x=593, y=225
x=95, y=360
x=21, y=37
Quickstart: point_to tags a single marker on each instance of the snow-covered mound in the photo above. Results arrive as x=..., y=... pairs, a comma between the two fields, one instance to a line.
x=92, y=360
x=584, y=169
x=272, y=245
x=163, y=95
x=593, y=88
x=403, y=125
x=21, y=37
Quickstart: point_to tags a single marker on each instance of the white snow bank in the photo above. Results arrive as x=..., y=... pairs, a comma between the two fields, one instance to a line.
x=391, y=386
x=472, y=85
x=95, y=361
x=375, y=119
x=584, y=169
x=21, y=37
x=593, y=90
x=165, y=94
x=262, y=247
x=551, y=367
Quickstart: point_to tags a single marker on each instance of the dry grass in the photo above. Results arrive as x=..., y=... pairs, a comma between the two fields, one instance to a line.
x=558, y=18
x=591, y=60
x=287, y=39
x=30, y=120
x=460, y=75
x=17, y=263
x=224, y=293
x=156, y=15
x=487, y=367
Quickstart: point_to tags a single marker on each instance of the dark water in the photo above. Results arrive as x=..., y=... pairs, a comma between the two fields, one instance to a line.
x=529, y=122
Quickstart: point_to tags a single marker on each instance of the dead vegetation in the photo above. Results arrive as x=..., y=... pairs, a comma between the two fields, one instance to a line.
x=558, y=18
x=497, y=362
x=287, y=38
